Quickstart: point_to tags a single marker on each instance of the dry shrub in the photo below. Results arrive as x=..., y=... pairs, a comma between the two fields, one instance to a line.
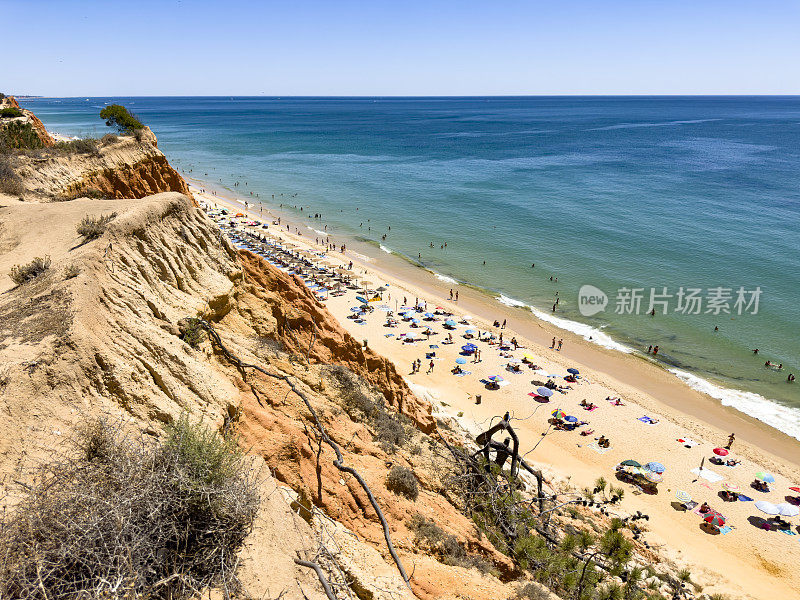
x=401, y=480
x=10, y=182
x=23, y=273
x=91, y=228
x=109, y=138
x=122, y=517
x=71, y=271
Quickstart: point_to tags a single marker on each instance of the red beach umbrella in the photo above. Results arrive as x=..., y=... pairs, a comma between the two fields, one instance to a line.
x=720, y=452
x=715, y=519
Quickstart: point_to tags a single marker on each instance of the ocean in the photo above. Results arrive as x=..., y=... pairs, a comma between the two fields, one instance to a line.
x=692, y=202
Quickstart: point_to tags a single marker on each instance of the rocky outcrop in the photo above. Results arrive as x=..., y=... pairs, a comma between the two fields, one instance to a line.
x=149, y=176
x=29, y=117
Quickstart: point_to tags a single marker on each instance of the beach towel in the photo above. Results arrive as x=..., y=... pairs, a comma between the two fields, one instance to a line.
x=463, y=373
x=726, y=529
x=787, y=531
x=596, y=447
x=696, y=510
x=707, y=474
x=434, y=346
x=743, y=498
x=691, y=505
x=647, y=420
x=591, y=409
x=689, y=443
x=389, y=335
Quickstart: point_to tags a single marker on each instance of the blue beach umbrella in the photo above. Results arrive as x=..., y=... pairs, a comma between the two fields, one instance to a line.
x=461, y=360
x=361, y=299
x=655, y=467
x=469, y=348
x=765, y=477
x=470, y=331
x=429, y=315
x=543, y=391
x=415, y=321
x=450, y=323
x=355, y=309
x=571, y=419
x=573, y=370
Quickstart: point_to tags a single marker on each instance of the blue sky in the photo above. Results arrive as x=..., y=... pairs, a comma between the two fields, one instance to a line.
x=399, y=47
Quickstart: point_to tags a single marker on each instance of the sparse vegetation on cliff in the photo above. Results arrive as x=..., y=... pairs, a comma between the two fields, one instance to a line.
x=81, y=146
x=125, y=517
x=120, y=117
x=23, y=273
x=91, y=228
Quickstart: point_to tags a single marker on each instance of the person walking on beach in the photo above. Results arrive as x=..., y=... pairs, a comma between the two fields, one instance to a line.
x=503, y=326
x=456, y=295
x=430, y=367
x=553, y=344
x=731, y=439
x=560, y=342
x=451, y=293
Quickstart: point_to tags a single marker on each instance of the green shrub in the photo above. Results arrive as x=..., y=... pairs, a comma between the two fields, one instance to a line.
x=120, y=117
x=10, y=112
x=401, y=480
x=23, y=273
x=109, y=138
x=192, y=332
x=125, y=517
x=91, y=228
x=18, y=135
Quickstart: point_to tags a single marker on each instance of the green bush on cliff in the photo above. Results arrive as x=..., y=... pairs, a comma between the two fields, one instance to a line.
x=120, y=117
x=10, y=182
x=10, y=112
x=17, y=135
x=81, y=146
x=126, y=517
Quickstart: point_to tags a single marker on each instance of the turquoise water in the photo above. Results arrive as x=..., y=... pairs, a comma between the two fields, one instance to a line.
x=637, y=192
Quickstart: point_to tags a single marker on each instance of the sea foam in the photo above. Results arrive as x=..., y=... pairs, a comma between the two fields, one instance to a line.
x=782, y=418
x=587, y=332
x=385, y=249
x=444, y=278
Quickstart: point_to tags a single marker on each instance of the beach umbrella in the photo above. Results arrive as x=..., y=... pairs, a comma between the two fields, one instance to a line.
x=715, y=519
x=355, y=309
x=528, y=355
x=655, y=467
x=573, y=370
x=429, y=315
x=653, y=476
x=415, y=321
x=543, y=391
x=451, y=323
x=787, y=510
x=461, y=360
x=571, y=419
x=682, y=496
x=558, y=414
x=720, y=452
x=731, y=487
x=495, y=378
x=630, y=463
x=767, y=507
x=765, y=477
x=470, y=331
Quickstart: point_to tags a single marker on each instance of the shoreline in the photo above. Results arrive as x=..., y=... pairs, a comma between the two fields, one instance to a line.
x=633, y=368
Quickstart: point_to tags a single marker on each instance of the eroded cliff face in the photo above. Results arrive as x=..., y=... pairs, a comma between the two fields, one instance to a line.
x=121, y=168
x=31, y=118
x=106, y=342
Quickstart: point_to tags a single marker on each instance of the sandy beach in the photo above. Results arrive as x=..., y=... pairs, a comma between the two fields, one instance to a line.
x=744, y=561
